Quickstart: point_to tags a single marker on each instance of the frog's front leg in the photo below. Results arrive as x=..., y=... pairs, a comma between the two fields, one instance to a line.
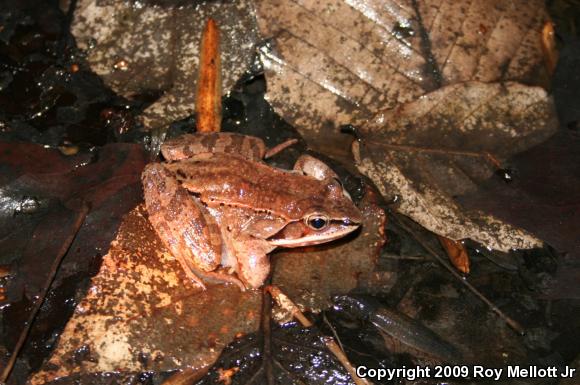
x=313, y=167
x=253, y=260
x=182, y=223
x=309, y=165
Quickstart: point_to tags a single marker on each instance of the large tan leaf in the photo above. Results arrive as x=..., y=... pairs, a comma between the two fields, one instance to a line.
x=142, y=313
x=444, y=150
x=374, y=54
x=429, y=86
x=153, y=46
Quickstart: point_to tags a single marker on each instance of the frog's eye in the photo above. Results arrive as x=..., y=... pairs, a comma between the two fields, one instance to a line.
x=317, y=221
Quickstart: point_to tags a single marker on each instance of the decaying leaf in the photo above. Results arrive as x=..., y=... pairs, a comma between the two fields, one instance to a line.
x=341, y=61
x=153, y=46
x=438, y=147
x=143, y=314
x=40, y=189
x=296, y=356
x=418, y=79
x=457, y=254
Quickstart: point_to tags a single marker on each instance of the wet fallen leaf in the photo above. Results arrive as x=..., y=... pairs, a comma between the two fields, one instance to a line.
x=143, y=314
x=41, y=192
x=338, y=62
x=399, y=326
x=294, y=356
x=457, y=254
x=459, y=319
x=544, y=198
x=417, y=80
x=151, y=46
x=566, y=84
x=432, y=150
x=40, y=185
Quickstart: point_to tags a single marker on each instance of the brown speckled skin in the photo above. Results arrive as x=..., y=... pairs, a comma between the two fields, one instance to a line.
x=215, y=203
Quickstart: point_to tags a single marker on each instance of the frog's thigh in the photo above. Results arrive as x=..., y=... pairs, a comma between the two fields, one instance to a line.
x=311, y=166
x=181, y=221
x=253, y=261
x=190, y=145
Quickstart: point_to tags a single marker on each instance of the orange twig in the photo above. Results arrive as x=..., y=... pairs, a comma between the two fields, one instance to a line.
x=208, y=104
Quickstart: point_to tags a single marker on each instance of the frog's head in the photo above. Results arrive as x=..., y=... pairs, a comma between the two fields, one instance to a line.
x=325, y=216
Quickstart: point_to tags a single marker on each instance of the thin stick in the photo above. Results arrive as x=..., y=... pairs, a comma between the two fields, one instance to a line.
x=286, y=303
x=81, y=215
x=208, y=101
x=511, y=322
x=400, y=147
x=279, y=148
x=267, y=330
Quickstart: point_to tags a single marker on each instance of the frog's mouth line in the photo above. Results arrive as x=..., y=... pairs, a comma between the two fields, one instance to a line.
x=312, y=238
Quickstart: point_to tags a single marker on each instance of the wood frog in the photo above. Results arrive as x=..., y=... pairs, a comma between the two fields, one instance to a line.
x=219, y=208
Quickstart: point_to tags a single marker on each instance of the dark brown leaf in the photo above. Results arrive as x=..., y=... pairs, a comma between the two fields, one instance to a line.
x=41, y=192
x=544, y=197
x=298, y=356
x=311, y=276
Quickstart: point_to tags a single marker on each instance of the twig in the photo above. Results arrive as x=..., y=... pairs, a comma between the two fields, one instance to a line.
x=286, y=303
x=400, y=147
x=81, y=215
x=208, y=103
x=280, y=147
x=333, y=330
x=267, y=331
x=511, y=322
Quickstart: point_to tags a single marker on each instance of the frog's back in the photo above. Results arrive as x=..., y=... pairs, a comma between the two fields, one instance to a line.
x=234, y=180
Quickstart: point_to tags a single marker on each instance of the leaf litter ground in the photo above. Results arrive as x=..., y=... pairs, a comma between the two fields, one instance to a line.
x=404, y=279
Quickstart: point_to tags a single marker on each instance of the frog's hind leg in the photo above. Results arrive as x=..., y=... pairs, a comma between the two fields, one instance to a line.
x=192, y=145
x=181, y=222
